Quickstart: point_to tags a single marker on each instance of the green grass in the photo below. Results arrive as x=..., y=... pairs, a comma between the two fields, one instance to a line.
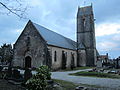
x=71, y=86
x=77, y=68
x=81, y=68
x=66, y=85
x=96, y=74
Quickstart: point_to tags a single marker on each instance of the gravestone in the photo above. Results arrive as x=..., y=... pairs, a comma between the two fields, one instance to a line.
x=17, y=76
x=16, y=73
x=9, y=72
x=27, y=74
x=1, y=68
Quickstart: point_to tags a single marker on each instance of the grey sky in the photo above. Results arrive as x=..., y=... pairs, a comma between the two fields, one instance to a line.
x=60, y=16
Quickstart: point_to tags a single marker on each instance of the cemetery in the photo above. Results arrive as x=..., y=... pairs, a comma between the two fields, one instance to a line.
x=29, y=78
x=42, y=59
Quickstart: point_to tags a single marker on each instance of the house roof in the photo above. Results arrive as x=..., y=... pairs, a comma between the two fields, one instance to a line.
x=103, y=56
x=55, y=39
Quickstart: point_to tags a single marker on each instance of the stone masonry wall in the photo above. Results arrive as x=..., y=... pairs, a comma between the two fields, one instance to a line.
x=31, y=44
x=57, y=64
x=82, y=57
x=86, y=33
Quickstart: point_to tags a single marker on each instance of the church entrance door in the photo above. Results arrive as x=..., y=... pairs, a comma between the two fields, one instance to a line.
x=28, y=62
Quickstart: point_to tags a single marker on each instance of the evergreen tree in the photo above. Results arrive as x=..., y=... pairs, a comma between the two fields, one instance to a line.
x=6, y=53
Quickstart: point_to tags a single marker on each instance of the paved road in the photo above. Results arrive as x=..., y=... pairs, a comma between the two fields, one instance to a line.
x=103, y=82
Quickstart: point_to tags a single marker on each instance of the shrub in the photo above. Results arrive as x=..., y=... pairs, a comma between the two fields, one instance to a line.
x=39, y=81
x=44, y=70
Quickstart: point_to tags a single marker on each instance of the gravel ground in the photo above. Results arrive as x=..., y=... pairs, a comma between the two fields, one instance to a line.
x=113, y=84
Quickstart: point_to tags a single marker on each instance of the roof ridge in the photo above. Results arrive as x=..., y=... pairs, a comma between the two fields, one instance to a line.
x=54, y=38
x=54, y=32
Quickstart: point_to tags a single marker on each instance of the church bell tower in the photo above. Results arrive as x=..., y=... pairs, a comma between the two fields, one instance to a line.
x=86, y=33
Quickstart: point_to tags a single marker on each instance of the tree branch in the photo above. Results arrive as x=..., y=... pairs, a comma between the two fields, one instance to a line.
x=12, y=10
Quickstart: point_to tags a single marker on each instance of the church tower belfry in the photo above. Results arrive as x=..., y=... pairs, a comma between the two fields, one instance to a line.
x=86, y=33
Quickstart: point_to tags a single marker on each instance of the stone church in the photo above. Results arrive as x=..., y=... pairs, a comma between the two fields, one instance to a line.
x=38, y=45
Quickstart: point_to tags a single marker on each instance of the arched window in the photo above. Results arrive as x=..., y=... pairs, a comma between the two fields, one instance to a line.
x=28, y=62
x=55, y=56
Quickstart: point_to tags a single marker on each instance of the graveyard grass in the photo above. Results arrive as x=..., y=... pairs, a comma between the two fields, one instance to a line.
x=77, y=68
x=65, y=84
x=96, y=74
x=71, y=86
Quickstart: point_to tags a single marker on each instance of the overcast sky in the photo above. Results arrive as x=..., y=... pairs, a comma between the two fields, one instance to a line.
x=60, y=16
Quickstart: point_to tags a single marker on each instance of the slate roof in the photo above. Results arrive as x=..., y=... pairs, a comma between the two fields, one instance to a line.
x=53, y=38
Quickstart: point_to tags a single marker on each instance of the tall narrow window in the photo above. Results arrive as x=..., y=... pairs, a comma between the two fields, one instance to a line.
x=84, y=22
x=72, y=61
x=55, y=56
x=28, y=43
x=63, y=60
x=66, y=56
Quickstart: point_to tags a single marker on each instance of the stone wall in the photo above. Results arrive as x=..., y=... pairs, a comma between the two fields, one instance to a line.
x=31, y=44
x=82, y=58
x=86, y=33
x=58, y=63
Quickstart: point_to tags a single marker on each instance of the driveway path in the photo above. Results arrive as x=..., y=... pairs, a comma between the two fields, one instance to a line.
x=103, y=82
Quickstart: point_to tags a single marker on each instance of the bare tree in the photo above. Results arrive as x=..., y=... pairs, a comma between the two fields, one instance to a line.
x=16, y=7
